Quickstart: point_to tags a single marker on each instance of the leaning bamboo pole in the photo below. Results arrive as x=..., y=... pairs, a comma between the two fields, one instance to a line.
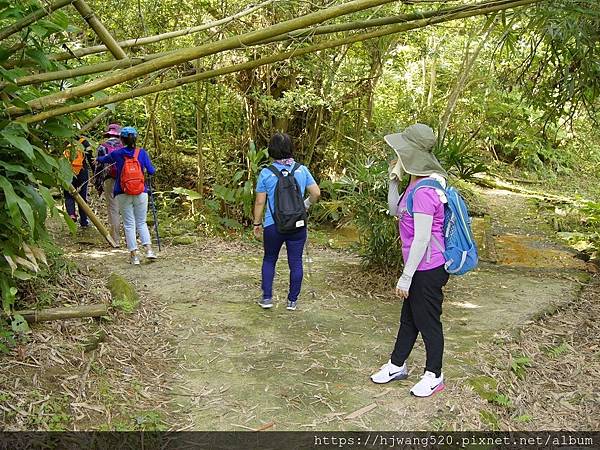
x=99, y=225
x=305, y=32
x=95, y=121
x=391, y=29
x=189, y=54
x=378, y=22
x=33, y=17
x=88, y=15
x=78, y=53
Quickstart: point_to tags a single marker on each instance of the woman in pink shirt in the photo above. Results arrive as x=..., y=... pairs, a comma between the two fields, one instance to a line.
x=424, y=274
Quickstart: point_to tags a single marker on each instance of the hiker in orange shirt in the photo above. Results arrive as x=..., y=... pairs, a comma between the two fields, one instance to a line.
x=81, y=158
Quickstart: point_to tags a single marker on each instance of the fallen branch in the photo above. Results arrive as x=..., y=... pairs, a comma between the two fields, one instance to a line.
x=70, y=312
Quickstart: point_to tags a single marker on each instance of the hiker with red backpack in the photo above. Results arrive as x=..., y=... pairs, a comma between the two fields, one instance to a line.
x=106, y=176
x=281, y=188
x=80, y=156
x=436, y=241
x=131, y=191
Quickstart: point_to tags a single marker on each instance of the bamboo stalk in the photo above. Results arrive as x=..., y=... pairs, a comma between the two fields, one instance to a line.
x=391, y=29
x=88, y=15
x=378, y=22
x=99, y=225
x=69, y=312
x=159, y=37
x=95, y=121
x=185, y=55
x=112, y=65
x=33, y=17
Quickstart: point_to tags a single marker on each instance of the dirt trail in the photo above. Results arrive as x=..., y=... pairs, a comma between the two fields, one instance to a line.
x=245, y=368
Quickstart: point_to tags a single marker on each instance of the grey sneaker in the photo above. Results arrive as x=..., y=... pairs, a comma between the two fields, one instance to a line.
x=266, y=303
x=150, y=254
x=291, y=306
x=135, y=260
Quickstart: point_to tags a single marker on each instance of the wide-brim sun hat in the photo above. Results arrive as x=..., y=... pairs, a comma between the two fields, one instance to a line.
x=414, y=147
x=114, y=130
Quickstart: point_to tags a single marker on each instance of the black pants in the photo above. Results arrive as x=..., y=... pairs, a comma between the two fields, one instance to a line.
x=80, y=183
x=421, y=312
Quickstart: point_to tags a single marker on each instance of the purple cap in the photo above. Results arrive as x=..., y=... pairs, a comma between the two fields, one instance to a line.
x=114, y=129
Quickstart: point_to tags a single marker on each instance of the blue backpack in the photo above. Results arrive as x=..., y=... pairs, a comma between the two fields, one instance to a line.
x=460, y=251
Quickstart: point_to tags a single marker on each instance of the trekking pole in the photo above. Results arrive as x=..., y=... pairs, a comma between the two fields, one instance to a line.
x=308, y=258
x=154, y=212
x=96, y=174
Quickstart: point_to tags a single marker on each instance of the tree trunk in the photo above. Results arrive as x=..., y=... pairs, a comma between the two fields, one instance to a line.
x=467, y=64
x=200, y=109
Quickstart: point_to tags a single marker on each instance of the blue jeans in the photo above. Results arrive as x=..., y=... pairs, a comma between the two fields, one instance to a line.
x=134, y=209
x=294, y=244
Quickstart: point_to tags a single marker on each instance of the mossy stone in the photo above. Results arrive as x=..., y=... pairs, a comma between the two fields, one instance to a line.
x=124, y=296
x=485, y=387
x=183, y=240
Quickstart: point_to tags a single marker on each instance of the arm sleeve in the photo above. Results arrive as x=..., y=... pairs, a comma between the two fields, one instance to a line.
x=87, y=152
x=393, y=197
x=106, y=159
x=260, y=184
x=423, y=224
x=148, y=164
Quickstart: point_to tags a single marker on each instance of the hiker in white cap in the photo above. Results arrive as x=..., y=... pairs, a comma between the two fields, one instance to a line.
x=424, y=274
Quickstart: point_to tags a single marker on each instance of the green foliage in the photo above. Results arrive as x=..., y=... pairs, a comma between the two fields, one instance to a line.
x=490, y=419
x=364, y=192
x=458, y=158
x=558, y=350
x=519, y=366
x=524, y=418
x=238, y=194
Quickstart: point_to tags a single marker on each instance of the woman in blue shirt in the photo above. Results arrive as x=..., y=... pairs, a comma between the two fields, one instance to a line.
x=281, y=151
x=133, y=208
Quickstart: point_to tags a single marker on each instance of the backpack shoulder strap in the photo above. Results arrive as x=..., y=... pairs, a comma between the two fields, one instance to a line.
x=427, y=182
x=295, y=167
x=136, y=154
x=276, y=171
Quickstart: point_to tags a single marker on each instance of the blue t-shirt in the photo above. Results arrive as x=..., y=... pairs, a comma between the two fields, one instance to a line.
x=267, y=181
x=118, y=157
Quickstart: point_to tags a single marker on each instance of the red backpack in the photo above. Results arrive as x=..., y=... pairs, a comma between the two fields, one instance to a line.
x=132, y=176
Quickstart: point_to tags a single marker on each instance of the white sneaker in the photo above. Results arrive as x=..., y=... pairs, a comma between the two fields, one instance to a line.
x=135, y=260
x=150, y=254
x=390, y=372
x=429, y=385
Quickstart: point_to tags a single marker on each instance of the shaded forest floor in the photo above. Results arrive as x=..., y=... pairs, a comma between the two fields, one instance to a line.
x=198, y=353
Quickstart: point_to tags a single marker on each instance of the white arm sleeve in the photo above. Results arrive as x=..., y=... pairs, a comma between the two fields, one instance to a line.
x=393, y=197
x=423, y=224
x=418, y=248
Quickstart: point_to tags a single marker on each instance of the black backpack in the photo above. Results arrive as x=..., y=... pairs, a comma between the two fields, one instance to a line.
x=290, y=213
